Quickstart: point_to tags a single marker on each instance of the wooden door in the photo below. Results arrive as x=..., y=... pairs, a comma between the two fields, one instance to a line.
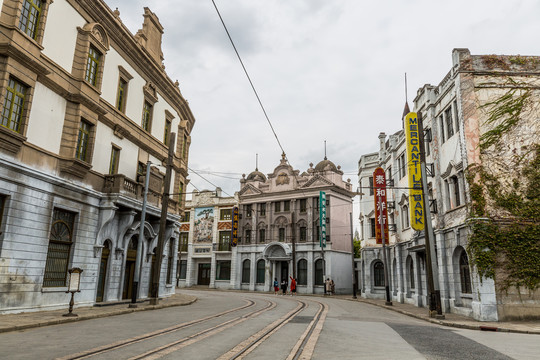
x=204, y=274
x=129, y=274
x=103, y=272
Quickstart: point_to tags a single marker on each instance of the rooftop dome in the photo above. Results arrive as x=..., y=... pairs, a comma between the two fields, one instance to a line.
x=326, y=165
x=256, y=176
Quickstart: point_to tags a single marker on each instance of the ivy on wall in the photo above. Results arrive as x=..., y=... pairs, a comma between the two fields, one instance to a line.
x=505, y=210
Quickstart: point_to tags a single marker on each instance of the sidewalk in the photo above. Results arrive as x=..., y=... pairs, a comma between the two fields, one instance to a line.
x=453, y=320
x=14, y=322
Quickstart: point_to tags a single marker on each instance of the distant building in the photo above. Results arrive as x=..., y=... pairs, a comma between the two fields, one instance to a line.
x=207, y=257
x=85, y=105
x=461, y=118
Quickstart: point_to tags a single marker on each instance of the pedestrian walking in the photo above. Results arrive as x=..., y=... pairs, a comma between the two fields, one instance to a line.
x=276, y=286
x=327, y=286
x=293, y=286
x=284, y=284
x=332, y=287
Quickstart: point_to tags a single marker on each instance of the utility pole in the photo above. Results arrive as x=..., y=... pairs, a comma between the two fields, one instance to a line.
x=162, y=222
x=385, y=258
x=135, y=291
x=435, y=308
x=293, y=243
x=354, y=286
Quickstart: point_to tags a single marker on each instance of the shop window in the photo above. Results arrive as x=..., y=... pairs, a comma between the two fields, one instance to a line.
x=260, y=271
x=223, y=270
x=378, y=274
x=302, y=272
x=246, y=270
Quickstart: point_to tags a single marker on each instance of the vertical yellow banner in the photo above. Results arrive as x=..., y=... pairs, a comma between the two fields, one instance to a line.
x=416, y=203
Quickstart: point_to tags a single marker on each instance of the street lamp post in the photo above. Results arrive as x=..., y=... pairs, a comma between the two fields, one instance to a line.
x=138, y=260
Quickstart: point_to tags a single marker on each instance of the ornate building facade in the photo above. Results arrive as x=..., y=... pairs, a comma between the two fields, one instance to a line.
x=85, y=105
x=207, y=256
x=280, y=228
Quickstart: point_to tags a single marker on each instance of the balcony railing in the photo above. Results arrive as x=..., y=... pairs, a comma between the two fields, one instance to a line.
x=120, y=184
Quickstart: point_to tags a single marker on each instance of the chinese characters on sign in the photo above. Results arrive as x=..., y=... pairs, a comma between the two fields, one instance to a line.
x=322, y=218
x=416, y=204
x=234, y=237
x=381, y=214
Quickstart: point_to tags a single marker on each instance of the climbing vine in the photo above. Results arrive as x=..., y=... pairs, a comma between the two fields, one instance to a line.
x=505, y=208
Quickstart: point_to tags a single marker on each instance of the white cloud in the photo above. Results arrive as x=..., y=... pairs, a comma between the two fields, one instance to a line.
x=325, y=70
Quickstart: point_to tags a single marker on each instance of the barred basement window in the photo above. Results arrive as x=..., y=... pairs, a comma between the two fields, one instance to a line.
x=14, y=105
x=59, y=251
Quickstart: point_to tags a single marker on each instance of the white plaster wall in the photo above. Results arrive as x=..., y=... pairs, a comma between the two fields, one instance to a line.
x=109, y=88
x=46, y=119
x=158, y=120
x=105, y=138
x=62, y=23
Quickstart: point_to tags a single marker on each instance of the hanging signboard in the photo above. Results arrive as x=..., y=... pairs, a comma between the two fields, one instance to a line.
x=322, y=218
x=234, y=237
x=416, y=203
x=381, y=213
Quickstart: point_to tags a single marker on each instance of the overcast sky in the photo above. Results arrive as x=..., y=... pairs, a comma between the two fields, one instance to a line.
x=325, y=70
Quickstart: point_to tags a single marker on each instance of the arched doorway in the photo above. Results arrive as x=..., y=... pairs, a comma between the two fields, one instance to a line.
x=103, y=266
x=131, y=257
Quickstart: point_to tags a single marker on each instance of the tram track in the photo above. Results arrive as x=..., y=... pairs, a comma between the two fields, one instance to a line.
x=122, y=343
x=305, y=345
x=161, y=351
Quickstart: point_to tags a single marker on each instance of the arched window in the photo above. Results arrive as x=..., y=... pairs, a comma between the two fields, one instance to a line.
x=246, y=269
x=411, y=273
x=405, y=216
x=465, y=274
x=319, y=272
x=302, y=272
x=378, y=274
x=260, y=271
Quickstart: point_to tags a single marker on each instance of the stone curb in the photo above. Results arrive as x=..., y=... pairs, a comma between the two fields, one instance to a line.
x=64, y=320
x=450, y=323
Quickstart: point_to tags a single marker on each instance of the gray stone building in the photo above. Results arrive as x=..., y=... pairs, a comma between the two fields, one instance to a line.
x=85, y=105
x=456, y=119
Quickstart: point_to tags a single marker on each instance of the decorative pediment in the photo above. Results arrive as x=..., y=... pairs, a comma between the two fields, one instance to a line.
x=249, y=190
x=452, y=165
x=317, y=181
x=150, y=92
x=403, y=200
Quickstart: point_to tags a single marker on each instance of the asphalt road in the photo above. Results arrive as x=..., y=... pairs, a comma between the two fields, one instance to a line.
x=236, y=325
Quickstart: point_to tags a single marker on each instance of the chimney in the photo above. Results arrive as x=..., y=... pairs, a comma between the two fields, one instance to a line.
x=149, y=37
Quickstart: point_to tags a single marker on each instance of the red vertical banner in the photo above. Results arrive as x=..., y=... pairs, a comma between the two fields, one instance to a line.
x=381, y=213
x=234, y=237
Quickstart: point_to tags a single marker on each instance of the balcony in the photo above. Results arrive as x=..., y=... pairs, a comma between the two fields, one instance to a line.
x=120, y=184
